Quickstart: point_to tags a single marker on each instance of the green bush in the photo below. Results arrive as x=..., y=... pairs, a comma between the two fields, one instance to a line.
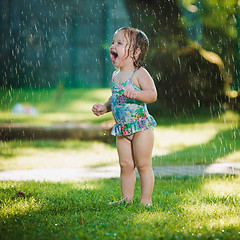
x=186, y=79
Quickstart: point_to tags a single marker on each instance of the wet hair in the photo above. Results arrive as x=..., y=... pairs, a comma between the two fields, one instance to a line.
x=137, y=40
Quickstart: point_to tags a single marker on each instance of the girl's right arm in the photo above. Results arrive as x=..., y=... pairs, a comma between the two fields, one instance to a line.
x=100, y=109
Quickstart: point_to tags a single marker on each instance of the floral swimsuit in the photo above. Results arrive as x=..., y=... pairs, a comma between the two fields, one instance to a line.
x=131, y=115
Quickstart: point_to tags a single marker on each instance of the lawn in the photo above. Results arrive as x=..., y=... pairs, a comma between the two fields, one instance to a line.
x=216, y=139
x=185, y=208
x=68, y=105
x=202, y=138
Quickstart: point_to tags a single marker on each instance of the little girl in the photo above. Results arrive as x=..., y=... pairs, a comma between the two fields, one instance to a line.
x=132, y=88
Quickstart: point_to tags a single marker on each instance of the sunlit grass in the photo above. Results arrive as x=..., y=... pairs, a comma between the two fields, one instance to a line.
x=178, y=137
x=200, y=139
x=216, y=140
x=227, y=188
x=186, y=208
x=56, y=154
x=231, y=157
x=71, y=105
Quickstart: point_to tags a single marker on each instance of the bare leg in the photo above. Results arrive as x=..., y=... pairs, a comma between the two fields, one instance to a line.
x=126, y=161
x=142, y=148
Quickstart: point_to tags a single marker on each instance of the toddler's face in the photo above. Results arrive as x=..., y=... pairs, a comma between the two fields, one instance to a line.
x=119, y=49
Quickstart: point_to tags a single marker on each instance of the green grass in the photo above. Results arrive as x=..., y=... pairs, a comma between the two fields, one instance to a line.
x=212, y=141
x=71, y=105
x=201, y=138
x=199, y=142
x=186, y=208
x=56, y=154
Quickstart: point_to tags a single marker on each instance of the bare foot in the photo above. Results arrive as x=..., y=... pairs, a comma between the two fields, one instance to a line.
x=120, y=201
x=146, y=203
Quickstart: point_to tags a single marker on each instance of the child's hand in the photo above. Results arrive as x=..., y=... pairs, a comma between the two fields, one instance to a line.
x=130, y=94
x=99, y=109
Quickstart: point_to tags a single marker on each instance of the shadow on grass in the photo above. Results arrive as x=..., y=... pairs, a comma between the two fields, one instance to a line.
x=201, y=115
x=81, y=211
x=223, y=144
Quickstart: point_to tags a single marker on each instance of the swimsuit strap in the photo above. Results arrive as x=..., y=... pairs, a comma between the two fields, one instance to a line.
x=114, y=74
x=130, y=79
x=133, y=73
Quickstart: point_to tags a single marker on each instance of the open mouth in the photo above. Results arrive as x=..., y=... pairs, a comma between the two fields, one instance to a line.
x=114, y=56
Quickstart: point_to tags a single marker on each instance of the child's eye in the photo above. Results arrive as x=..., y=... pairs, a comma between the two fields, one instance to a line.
x=119, y=43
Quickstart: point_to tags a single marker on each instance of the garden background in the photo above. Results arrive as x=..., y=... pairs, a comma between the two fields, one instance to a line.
x=55, y=66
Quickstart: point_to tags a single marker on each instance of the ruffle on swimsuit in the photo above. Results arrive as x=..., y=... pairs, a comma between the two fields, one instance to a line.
x=131, y=115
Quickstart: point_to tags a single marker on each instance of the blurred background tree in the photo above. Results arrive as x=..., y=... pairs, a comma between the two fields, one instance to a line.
x=46, y=43
x=193, y=56
x=193, y=50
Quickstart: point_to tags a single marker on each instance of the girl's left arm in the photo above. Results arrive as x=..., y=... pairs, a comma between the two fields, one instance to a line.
x=148, y=93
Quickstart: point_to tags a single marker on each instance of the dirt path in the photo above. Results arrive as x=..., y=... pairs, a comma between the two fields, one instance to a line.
x=79, y=174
